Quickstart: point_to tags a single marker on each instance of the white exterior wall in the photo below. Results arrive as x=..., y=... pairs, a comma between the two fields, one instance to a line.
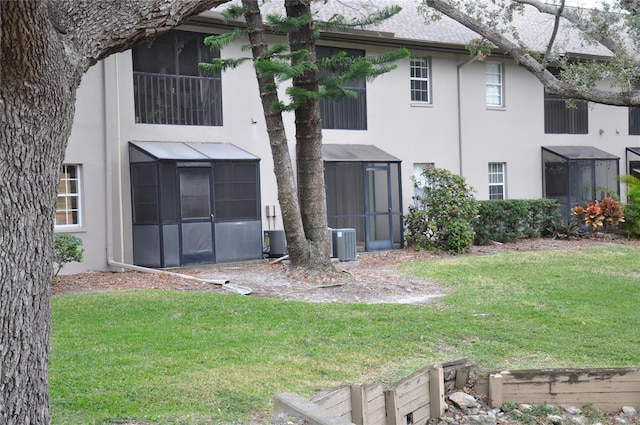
x=105, y=123
x=86, y=148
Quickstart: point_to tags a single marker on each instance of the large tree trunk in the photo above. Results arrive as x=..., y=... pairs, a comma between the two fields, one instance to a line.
x=310, y=166
x=287, y=195
x=36, y=107
x=46, y=46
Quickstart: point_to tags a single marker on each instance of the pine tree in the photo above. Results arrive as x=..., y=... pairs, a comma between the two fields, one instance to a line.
x=303, y=207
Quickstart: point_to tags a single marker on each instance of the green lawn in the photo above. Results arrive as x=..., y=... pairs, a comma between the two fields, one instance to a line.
x=204, y=358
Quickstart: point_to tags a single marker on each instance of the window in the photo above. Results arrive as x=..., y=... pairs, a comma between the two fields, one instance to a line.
x=170, y=88
x=634, y=121
x=68, y=204
x=349, y=113
x=496, y=180
x=420, y=90
x=561, y=118
x=418, y=177
x=494, y=85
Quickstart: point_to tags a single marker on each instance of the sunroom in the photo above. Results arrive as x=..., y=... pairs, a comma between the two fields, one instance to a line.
x=194, y=203
x=364, y=192
x=575, y=175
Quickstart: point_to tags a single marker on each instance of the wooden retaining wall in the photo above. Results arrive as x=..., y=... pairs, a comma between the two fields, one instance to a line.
x=414, y=399
x=606, y=389
x=419, y=397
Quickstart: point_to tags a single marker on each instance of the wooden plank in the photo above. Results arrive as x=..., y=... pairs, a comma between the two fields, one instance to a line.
x=376, y=404
x=576, y=375
x=436, y=392
x=481, y=386
x=495, y=390
x=393, y=412
x=462, y=377
x=420, y=399
x=578, y=388
x=413, y=392
x=421, y=415
x=291, y=404
x=630, y=399
x=359, y=410
x=377, y=417
x=333, y=396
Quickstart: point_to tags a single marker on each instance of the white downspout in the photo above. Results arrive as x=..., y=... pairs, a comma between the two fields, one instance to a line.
x=459, y=78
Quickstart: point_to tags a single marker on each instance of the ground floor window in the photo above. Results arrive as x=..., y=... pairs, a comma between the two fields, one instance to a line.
x=496, y=180
x=68, y=206
x=419, y=178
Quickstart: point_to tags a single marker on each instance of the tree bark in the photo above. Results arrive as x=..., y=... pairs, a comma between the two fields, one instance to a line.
x=310, y=165
x=45, y=48
x=287, y=196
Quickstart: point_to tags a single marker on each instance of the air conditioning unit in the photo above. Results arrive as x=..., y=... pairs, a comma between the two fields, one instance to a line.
x=276, y=243
x=343, y=244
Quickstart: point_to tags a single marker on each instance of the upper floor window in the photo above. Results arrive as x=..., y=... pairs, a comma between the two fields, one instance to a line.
x=68, y=205
x=169, y=87
x=634, y=121
x=420, y=89
x=350, y=113
x=563, y=118
x=496, y=180
x=494, y=85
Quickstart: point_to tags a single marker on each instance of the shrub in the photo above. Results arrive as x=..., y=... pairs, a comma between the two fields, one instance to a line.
x=441, y=218
x=631, y=225
x=66, y=248
x=511, y=219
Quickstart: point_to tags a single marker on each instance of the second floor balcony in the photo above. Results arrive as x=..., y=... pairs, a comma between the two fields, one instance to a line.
x=177, y=99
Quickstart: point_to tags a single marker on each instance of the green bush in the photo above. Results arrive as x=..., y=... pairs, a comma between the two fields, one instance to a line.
x=631, y=225
x=66, y=248
x=512, y=219
x=441, y=217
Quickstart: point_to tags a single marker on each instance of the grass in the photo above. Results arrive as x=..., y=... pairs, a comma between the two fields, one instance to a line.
x=205, y=358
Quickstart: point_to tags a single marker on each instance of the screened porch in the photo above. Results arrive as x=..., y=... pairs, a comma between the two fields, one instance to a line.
x=575, y=175
x=363, y=188
x=194, y=203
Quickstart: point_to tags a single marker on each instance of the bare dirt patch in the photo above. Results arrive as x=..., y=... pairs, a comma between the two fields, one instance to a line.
x=372, y=278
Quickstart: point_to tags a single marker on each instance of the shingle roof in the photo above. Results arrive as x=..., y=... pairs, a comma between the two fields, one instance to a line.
x=410, y=25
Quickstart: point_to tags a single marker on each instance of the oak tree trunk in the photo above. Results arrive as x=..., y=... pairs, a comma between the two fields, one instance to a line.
x=37, y=96
x=310, y=165
x=45, y=47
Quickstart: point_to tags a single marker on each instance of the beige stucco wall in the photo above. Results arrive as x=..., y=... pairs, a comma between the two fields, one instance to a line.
x=105, y=123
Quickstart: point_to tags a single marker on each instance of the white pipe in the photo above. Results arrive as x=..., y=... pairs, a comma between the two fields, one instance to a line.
x=468, y=61
x=224, y=283
x=156, y=271
x=119, y=152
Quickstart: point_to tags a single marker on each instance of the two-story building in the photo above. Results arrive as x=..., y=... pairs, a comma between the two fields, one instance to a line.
x=168, y=166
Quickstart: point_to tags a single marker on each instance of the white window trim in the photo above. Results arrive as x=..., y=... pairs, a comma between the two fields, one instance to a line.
x=425, y=64
x=78, y=195
x=500, y=85
x=503, y=173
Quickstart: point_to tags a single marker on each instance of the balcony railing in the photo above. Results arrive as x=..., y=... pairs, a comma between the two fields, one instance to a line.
x=177, y=99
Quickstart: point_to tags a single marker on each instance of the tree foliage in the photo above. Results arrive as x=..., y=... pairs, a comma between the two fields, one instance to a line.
x=612, y=28
x=442, y=216
x=294, y=64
